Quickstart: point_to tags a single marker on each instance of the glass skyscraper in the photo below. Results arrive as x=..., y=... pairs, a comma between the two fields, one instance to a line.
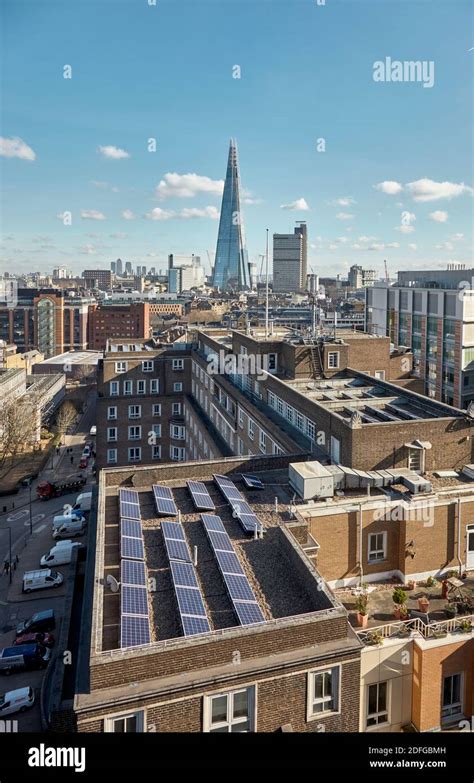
x=231, y=268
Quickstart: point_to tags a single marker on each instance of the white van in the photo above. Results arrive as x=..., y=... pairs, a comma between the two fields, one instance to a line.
x=70, y=529
x=59, y=554
x=18, y=700
x=66, y=519
x=83, y=502
x=38, y=580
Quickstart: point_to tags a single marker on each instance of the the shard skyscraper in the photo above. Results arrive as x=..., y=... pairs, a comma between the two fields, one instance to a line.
x=231, y=268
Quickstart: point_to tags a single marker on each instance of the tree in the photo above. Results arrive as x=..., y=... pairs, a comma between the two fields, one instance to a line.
x=18, y=433
x=65, y=418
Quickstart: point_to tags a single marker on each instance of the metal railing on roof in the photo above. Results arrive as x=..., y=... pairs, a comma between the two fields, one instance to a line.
x=404, y=628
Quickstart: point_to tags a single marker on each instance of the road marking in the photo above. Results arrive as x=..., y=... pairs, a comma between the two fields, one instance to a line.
x=16, y=516
x=39, y=529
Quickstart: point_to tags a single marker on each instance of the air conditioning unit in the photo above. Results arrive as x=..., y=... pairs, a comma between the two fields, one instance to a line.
x=310, y=480
x=417, y=485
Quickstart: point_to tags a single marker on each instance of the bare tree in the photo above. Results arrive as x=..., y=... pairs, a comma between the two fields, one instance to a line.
x=18, y=433
x=65, y=418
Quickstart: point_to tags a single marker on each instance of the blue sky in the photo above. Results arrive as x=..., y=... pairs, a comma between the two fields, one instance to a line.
x=166, y=72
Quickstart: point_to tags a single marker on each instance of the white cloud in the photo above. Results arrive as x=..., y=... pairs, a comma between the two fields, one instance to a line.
x=457, y=237
x=342, y=240
x=118, y=235
x=356, y=246
x=127, y=214
x=92, y=214
x=332, y=247
x=366, y=239
x=389, y=186
x=428, y=190
x=113, y=153
x=405, y=229
x=16, y=148
x=184, y=214
x=300, y=205
x=413, y=247
x=345, y=216
x=160, y=214
x=88, y=250
x=445, y=246
x=393, y=244
x=175, y=185
x=345, y=201
x=104, y=186
x=377, y=246
x=439, y=216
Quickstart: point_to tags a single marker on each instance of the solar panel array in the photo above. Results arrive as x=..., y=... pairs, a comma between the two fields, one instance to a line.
x=191, y=607
x=238, y=586
x=201, y=497
x=165, y=505
x=240, y=508
x=134, y=612
x=252, y=482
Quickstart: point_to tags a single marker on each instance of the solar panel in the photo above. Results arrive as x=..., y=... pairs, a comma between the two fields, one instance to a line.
x=194, y=625
x=165, y=505
x=134, y=600
x=221, y=541
x=190, y=601
x=173, y=530
x=252, y=482
x=183, y=574
x=133, y=572
x=229, y=562
x=177, y=550
x=129, y=496
x=131, y=527
x=241, y=508
x=213, y=522
x=132, y=548
x=129, y=510
x=201, y=497
x=239, y=588
x=222, y=481
x=248, y=612
x=249, y=522
x=134, y=631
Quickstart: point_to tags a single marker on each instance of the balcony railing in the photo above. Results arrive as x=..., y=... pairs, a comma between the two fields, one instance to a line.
x=436, y=629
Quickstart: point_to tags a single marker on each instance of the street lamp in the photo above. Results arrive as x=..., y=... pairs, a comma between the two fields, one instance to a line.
x=31, y=518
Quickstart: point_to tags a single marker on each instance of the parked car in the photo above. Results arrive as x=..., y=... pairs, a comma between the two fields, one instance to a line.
x=69, y=530
x=87, y=451
x=84, y=462
x=18, y=700
x=67, y=519
x=30, y=638
x=39, y=580
x=60, y=554
x=93, y=430
x=83, y=503
x=41, y=621
x=24, y=656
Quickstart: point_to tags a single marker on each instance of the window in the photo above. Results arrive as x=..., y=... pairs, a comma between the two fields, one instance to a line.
x=154, y=386
x=241, y=419
x=125, y=723
x=263, y=443
x=134, y=454
x=178, y=432
x=377, y=547
x=178, y=364
x=112, y=412
x=134, y=411
x=177, y=387
x=127, y=387
x=415, y=459
x=452, y=696
x=251, y=429
x=156, y=409
x=176, y=409
x=323, y=692
x=380, y=375
x=300, y=421
x=240, y=446
x=111, y=456
x=177, y=453
x=111, y=433
x=230, y=712
x=134, y=432
x=114, y=388
x=333, y=359
x=271, y=399
x=120, y=367
x=377, y=711
x=156, y=430
x=156, y=452
x=141, y=387
x=272, y=362
x=148, y=366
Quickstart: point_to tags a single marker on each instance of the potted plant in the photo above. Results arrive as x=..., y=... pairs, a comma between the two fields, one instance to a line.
x=411, y=585
x=374, y=638
x=399, y=598
x=362, y=614
x=423, y=604
x=431, y=581
x=465, y=626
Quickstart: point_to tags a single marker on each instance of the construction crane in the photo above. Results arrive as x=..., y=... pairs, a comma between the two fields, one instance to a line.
x=387, y=276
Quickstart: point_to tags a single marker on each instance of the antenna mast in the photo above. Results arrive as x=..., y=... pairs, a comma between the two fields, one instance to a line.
x=266, y=289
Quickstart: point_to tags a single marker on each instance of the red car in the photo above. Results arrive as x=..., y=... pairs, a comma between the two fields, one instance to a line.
x=84, y=462
x=28, y=638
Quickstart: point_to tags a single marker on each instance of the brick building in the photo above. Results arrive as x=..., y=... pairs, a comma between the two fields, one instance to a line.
x=111, y=321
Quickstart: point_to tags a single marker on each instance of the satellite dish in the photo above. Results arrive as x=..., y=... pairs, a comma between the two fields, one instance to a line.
x=112, y=583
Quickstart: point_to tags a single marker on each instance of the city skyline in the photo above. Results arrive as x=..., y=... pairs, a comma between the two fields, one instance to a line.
x=372, y=193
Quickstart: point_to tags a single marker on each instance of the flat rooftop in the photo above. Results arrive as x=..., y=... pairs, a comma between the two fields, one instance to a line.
x=75, y=357
x=284, y=581
x=376, y=402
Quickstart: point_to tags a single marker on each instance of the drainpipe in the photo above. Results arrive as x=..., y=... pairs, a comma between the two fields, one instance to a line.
x=360, y=546
x=459, y=536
